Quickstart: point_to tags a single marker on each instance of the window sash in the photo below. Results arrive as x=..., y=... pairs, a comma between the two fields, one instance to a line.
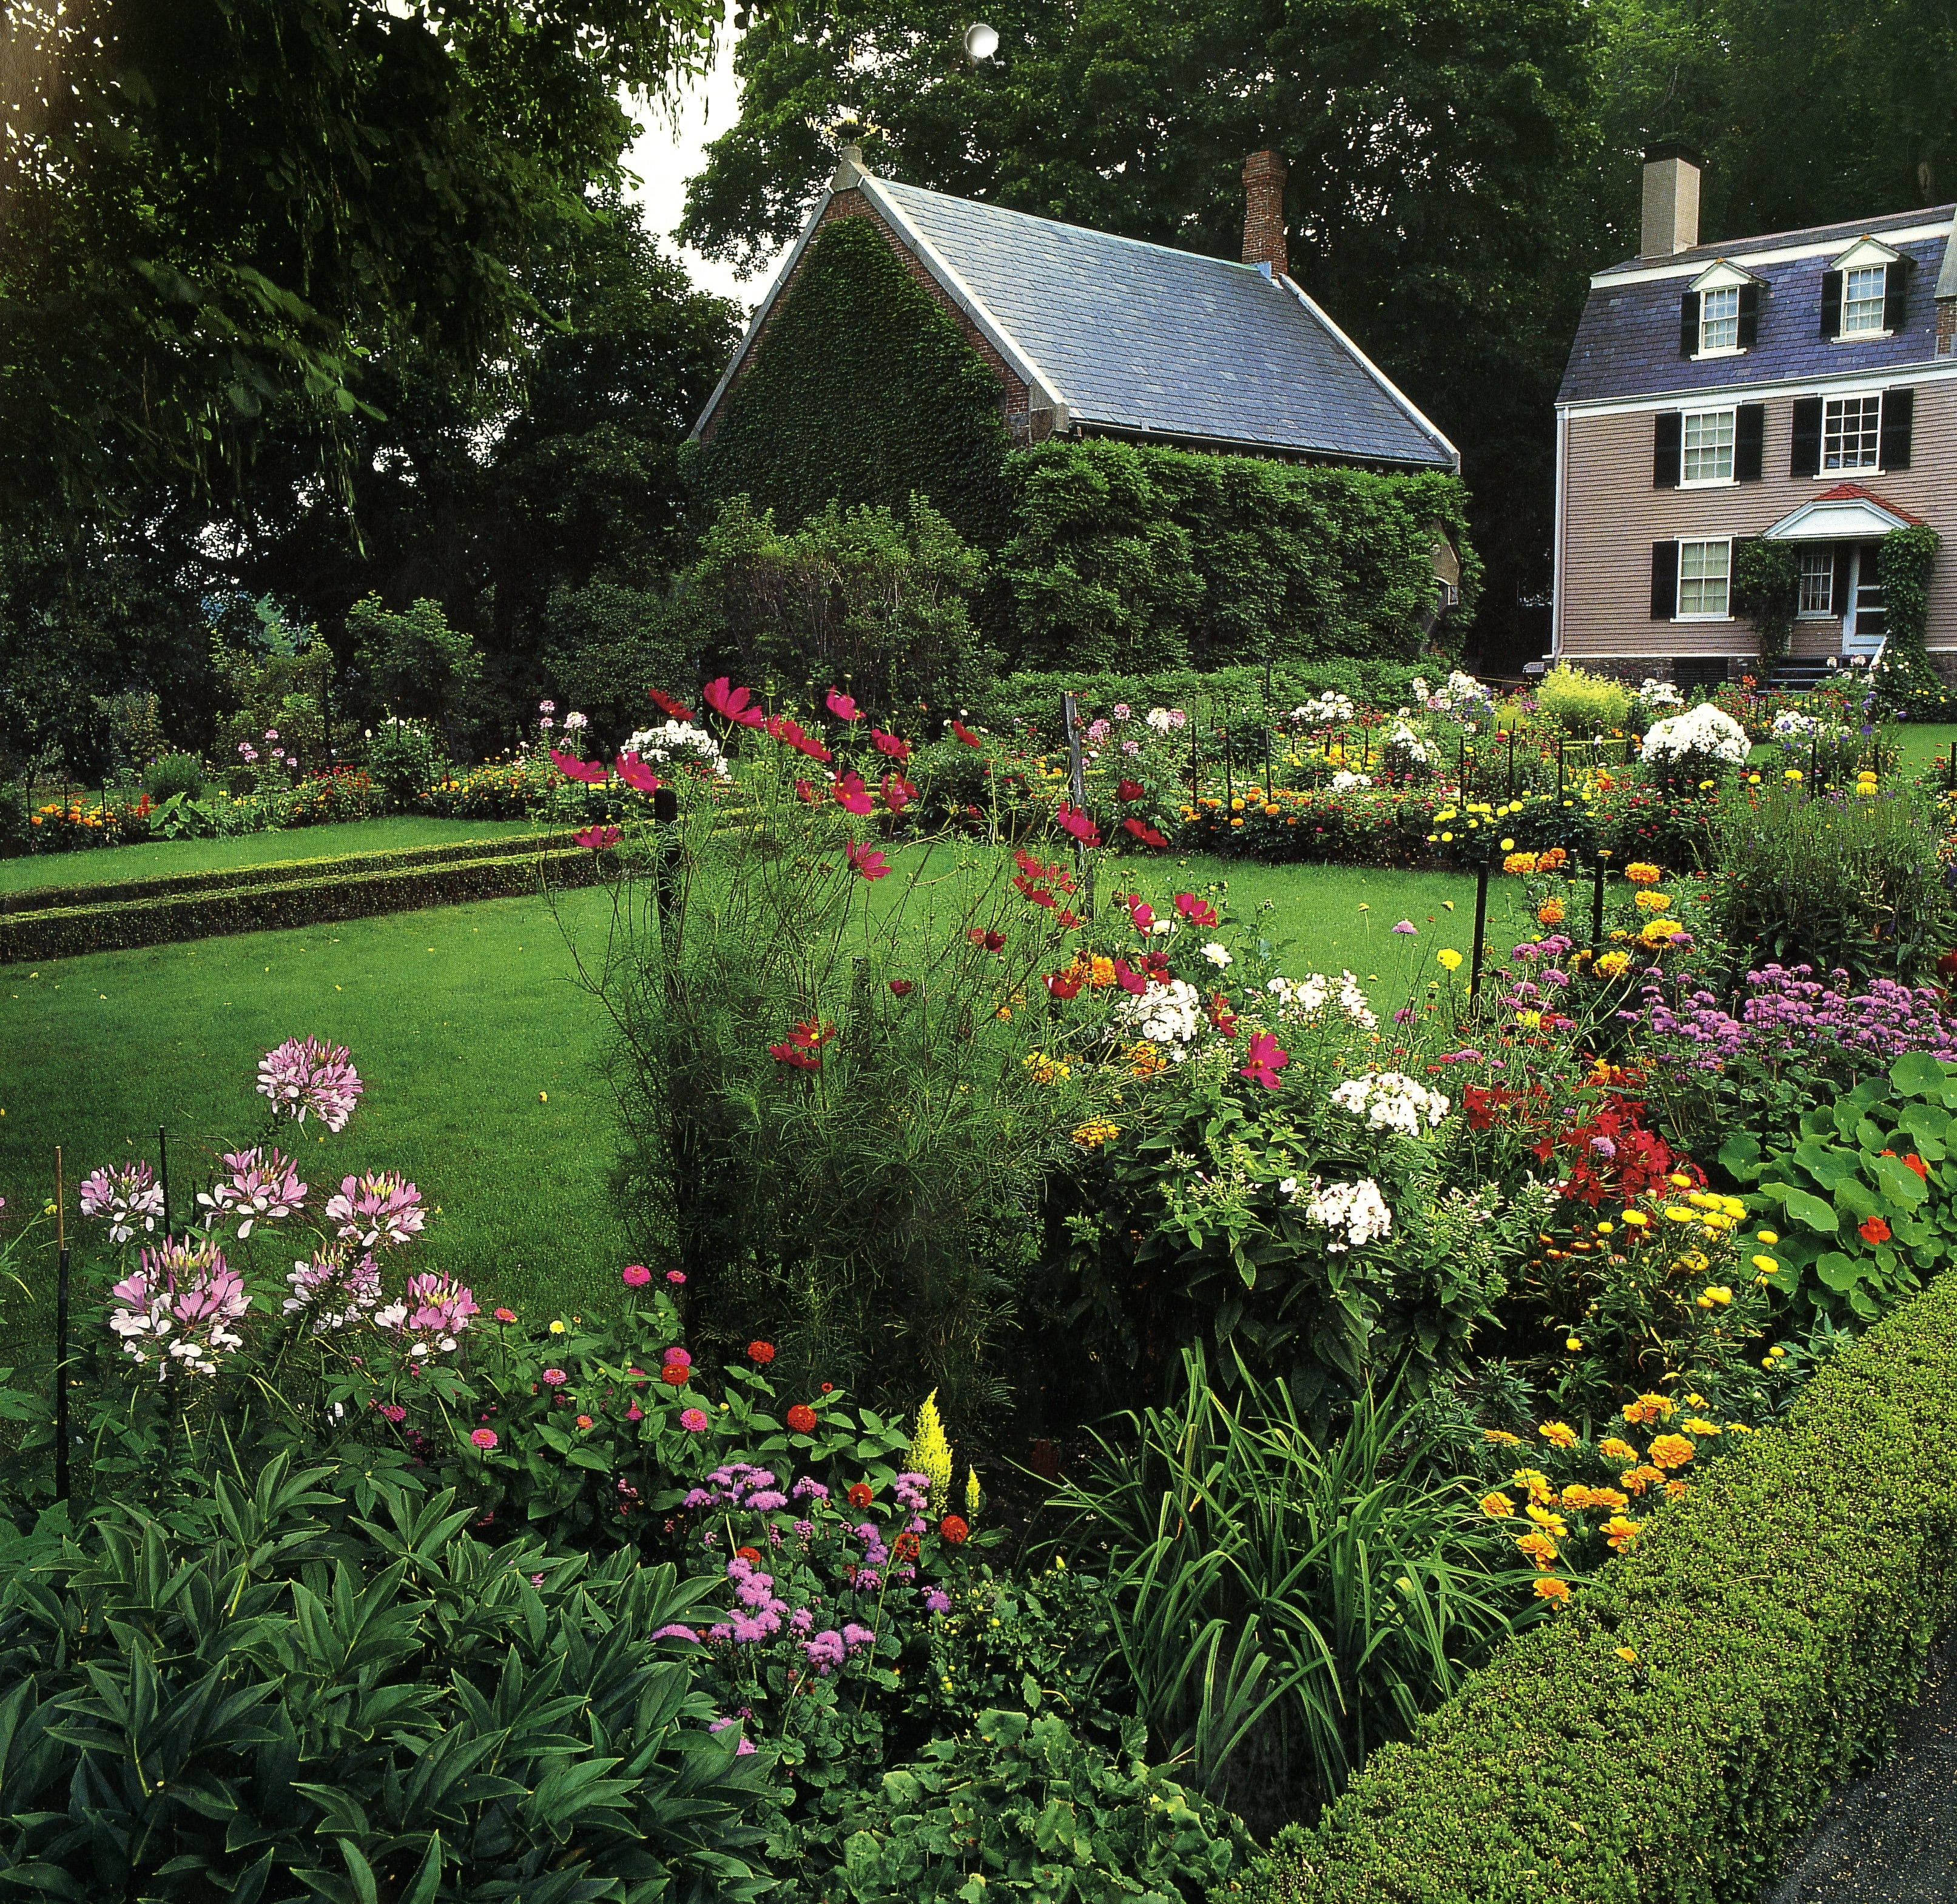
x=1708, y=447
x=1703, y=570
x=1862, y=300
x=1817, y=581
x=1719, y=320
x=1851, y=430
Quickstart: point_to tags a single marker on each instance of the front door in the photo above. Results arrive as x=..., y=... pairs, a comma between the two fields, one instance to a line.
x=1862, y=615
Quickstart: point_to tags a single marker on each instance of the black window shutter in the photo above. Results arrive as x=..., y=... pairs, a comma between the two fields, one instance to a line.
x=1668, y=448
x=1838, y=598
x=1749, y=315
x=1806, y=460
x=1749, y=431
x=1895, y=295
x=1831, y=304
x=1688, y=325
x=1664, y=581
x=1899, y=414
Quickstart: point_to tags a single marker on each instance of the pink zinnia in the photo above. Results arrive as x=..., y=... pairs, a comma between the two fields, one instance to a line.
x=675, y=1277
x=677, y=1358
x=555, y=1378
x=693, y=1420
x=636, y=1276
x=484, y=1438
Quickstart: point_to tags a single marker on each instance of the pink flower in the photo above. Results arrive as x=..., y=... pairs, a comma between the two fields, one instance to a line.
x=379, y=1210
x=555, y=1378
x=635, y=773
x=1128, y=790
x=1140, y=911
x=1266, y=1060
x=731, y=704
x=789, y=733
x=675, y=1277
x=128, y=1196
x=1073, y=821
x=852, y=795
x=676, y=1357
x=506, y=1315
x=303, y=1075
x=636, y=1276
x=1097, y=731
x=841, y=705
x=635, y=1413
x=806, y=793
x=1143, y=831
x=597, y=838
x=338, y=1290
x=693, y=1420
x=484, y=1438
x=898, y=793
x=1130, y=981
x=591, y=773
x=1198, y=912
x=965, y=734
x=394, y=1412
x=546, y=706
x=437, y=1310
x=177, y=1309
x=865, y=861
x=898, y=750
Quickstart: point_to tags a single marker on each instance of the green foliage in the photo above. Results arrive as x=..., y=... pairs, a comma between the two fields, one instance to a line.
x=609, y=643
x=1282, y=1603
x=415, y=663
x=865, y=394
x=858, y=594
x=276, y=678
x=1904, y=558
x=1133, y=559
x=404, y=759
x=1770, y=1657
x=1767, y=590
x=1030, y=697
x=174, y=773
x=1844, y=881
x=264, y=1687
x=1041, y=1814
x=1583, y=703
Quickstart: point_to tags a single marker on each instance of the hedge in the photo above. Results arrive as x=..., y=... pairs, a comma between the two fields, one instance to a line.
x=69, y=931
x=41, y=898
x=1778, y=1616
x=1033, y=694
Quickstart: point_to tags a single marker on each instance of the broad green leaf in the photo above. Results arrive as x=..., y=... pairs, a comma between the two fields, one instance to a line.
x=1918, y=1074
x=1837, y=1271
x=1804, y=1208
x=1900, y=1184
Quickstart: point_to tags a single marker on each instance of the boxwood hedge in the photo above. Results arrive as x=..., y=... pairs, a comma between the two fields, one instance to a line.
x=1777, y=1618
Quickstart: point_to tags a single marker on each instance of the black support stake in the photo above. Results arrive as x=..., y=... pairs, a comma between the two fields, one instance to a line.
x=1480, y=931
x=163, y=1175
x=1597, y=906
x=61, y=1332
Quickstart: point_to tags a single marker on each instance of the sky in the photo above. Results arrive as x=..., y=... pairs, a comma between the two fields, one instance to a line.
x=665, y=158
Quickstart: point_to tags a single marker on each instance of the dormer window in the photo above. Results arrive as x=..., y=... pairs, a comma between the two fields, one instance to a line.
x=1862, y=300
x=1721, y=314
x=1719, y=320
x=1865, y=293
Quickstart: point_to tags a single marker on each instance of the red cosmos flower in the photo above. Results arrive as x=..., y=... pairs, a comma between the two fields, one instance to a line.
x=1221, y=1015
x=905, y=1549
x=597, y=838
x=965, y=734
x=852, y=795
x=860, y=1493
x=841, y=705
x=1073, y=821
x=675, y=1374
x=803, y=1046
x=1873, y=1229
x=801, y=1418
x=898, y=750
x=869, y=863
x=1061, y=987
x=1198, y=912
x=1136, y=982
x=805, y=792
x=591, y=773
x=1266, y=1060
x=898, y=793
x=991, y=941
x=1139, y=910
x=1146, y=833
x=506, y=1315
x=1130, y=790
x=902, y=988
x=954, y=1530
x=670, y=707
x=731, y=703
x=635, y=773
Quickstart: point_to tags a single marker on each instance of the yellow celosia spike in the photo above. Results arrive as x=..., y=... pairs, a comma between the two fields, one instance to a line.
x=972, y=1495
x=930, y=1453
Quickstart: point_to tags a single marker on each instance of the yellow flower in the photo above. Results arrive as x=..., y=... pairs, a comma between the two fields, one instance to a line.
x=1614, y=1450
x=1792, y=773
x=1652, y=902
x=1576, y=1497
x=1519, y=862
x=1658, y=931
x=1501, y=1438
x=1540, y=1548
x=1613, y=965
x=1641, y=872
x=1540, y=1492
x=1671, y=1451
x=1697, y=1424
x=1573, y=1343
x=1633, y=1219
x=557, y=1328
x=1449, y=959
x=1629, y=1654
x=1550, y=1588
x=1766, y=1236
x=1095, y=1132
x=1620, y=1530
x=1552, y=1524
x=1647, y=1408
x=1677, y=1490
x=1608, y=1498
x=1498, y=1507
x=1558, y=1434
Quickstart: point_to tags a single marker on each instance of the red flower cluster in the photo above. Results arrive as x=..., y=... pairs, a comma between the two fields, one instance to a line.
x=1146, y=833
x=991, y=941
x=761, y=1353
x=952, y=1527
x=965, y=734
x=802, y=1050
x=1611, y=1154
x=898, y=750
x=841, y=705
x=1873, y=1229
x=902, y=988
x=1073, y=819
x=850, y=794
x=1044, y=885
x=898, y=793
x=1198, y=912
x=801, y=1418
x=789, y=734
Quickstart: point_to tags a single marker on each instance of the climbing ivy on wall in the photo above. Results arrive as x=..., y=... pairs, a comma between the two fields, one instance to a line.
x=1131, y=556
x=1904, y=558
x=864, y=391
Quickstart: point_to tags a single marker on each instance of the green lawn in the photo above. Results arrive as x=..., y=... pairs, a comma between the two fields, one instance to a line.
x=1920, y=745
x=163, y=857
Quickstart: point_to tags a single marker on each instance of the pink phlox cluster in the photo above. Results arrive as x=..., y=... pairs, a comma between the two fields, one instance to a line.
x=264, y=1187
x=1534, y=951
x=304, y=1077
x=379, y=1210
x=437, y=1310
x=809, y=1489
x=128, y=1196
x=338, y=1289
x=177, y=1307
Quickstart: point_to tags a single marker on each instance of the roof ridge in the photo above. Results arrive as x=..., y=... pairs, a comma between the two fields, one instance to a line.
x=1727, y=247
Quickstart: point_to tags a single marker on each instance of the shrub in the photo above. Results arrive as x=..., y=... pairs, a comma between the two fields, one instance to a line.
x=173, y=773
x=1583, y=703
x=415, y=663
x=1767, y=590
x=404, y=759
x=1743, y=1659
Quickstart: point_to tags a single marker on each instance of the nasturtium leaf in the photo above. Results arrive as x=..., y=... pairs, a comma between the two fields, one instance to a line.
x=1918, y=1074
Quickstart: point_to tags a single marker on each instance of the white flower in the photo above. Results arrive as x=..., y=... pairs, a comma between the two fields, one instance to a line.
x=1324, y=711
x=1343, y=782
x=1288, y=1187
x=1170, y=1015
x=572, y=722
x=1218, y=956
x=1660, y=694
x=679, y=740
x=1356, y=1213
x=1406, y=747
x=1391, y=1101
x=1702, y=733
x=1162, y=928
x=1303, y=999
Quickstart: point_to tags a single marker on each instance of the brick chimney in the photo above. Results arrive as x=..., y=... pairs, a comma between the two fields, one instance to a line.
x=1671, y=221
x=1264, y=175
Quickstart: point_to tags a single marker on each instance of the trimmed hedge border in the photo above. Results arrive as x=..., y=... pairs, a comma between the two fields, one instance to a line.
x=67, y=932
x=1780, y=1616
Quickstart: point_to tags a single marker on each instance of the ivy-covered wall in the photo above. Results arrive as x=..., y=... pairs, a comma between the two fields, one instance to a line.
x=862, y=391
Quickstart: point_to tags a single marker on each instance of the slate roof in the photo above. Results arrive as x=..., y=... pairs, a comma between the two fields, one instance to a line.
x=1144, y=339
x=1626, y=344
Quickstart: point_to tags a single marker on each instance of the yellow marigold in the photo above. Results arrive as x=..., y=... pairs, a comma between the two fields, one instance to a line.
x=1498, y=1507
x=1045, y=1070
x=1558, y=1434
x=1501, y=1438
x=1609, y=1498
x=1550, y=1588
x=1613, y=965
x=1537, y=1482
x=1641, y=872
x=1519, y=862
x=1450, y=960
x=1671, y=1451
x=1659, y=932
x=1697, y=1424
x=1100, y=971
x=1629, y=1654
x=1550, y=913
x=1552, y=1524
x=1653, y=902
x=1647, y=1408
x=1095, y=1132
x=1144, y=1059
x=1614, y=1449
x=1552, y=861
x=1540, y=1548
x=1620, y=1532
x=1576, y=1497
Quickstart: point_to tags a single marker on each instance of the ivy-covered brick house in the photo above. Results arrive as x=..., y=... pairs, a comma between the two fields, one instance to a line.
x=1168, y=456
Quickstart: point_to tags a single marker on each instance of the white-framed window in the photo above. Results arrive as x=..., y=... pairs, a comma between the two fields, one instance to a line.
x=1719, y=320
x=1708, y=447
x=1851, y=432
x=1704, y=569
x=1817, y=581
x=1862, y=300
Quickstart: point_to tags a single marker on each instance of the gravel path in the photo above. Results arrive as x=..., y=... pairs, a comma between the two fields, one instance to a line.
x=1891, y=1837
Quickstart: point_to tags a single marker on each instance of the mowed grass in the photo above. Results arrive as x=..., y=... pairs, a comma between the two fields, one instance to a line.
x=162, y=858
x=1923, y=745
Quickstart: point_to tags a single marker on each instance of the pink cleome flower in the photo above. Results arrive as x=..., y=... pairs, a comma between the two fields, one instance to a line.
x=379, y=1210
x=304, y=1077
x=437, y=1310
x=264, y=1187
x=338, y=1290
x=128, y=1196
x=177, y=1309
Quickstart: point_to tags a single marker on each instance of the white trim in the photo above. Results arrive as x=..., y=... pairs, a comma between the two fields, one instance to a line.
x=1724, y=350
x=1844, y=519
x=1778, y=254
x=1845, y=383
x=1556, y=570
x=1722, y=274
x=1865, y=253
x=1678, y=580
x=1373, y=370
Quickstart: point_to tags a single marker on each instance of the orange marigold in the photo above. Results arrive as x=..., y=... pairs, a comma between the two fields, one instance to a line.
x=1677, y=1490
x=1614, y=1449
x=1671, y=1451
x=1550, y=913
x=1647, y=1408
x=1620, y=1532
x=1558, y=1434
x=1550, y=1588
x=1537, y=1482
x=1501, y=1438
x=1576, y=1497
x=1641, y=872
x=1637, y=1479
x=1540, y=1548
x=1608, y=1498
x=1498, y=1507
x=1553, y=861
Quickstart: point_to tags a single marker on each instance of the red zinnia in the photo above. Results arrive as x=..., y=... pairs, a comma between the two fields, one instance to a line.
x=1874, y=1230
x=901, y=988
x=860, y=1493
x=954, y=1528
x=801, y=1418
x=907, y=1548
x=761, y=1352
x=675, y=1374
x=750, y=1554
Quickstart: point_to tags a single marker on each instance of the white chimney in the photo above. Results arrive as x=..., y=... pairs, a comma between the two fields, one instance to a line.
x=1671, y=200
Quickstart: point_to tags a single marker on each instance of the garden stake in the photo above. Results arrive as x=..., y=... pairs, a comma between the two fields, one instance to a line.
x=61, y=1332
x=326, y=711
x=1267, y=726
x=1512, y=763
x=1596, y=906
x=163, y=1173
x=1194, y=769
x=1813, y=764
x=1461, y=772
x=1953, y=767
x=1559, y=769
x=1229, y=766
x=1077, y=782
x=1480, y=931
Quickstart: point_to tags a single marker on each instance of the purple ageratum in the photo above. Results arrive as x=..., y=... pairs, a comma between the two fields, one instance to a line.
x=936, y=1602
x=338, y=1290
x=264, y=1187
x=304, y=1078
x=379, y=1210
x=912, y=1491
x=1791, y=1012
x=128, y=1196
x=825, y=1652
x=176, y=1311
x=809, y=1489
